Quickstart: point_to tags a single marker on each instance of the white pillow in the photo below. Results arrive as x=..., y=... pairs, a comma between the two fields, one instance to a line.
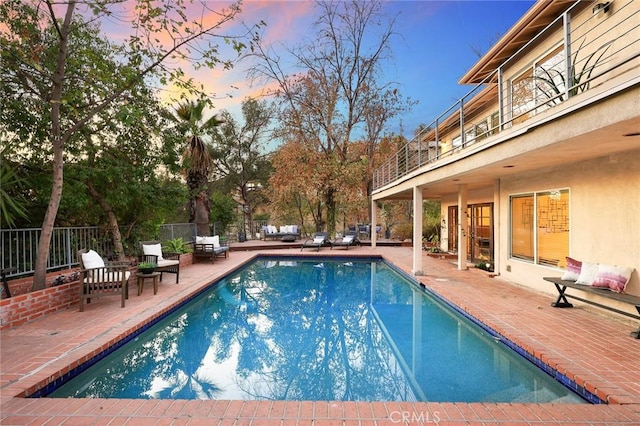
x=294, y=229
x=216, y=241
x=208, y=240
x=347, y=238
x=153, y=249
x=199, y=240
x=588, y=273
x=91, y=260
x=318, y=240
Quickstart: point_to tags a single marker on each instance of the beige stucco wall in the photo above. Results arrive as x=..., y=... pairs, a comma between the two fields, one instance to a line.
x=604, y=216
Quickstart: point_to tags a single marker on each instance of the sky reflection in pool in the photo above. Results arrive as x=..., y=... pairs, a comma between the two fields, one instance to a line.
x=309, y=329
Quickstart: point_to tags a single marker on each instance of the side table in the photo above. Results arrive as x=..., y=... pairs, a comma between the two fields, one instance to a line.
x=142, y=277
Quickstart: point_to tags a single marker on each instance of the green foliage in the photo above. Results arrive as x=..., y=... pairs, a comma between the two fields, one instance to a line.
x=12, y=205
x=486, y=266
x=223, y=209
x=403, y=231
x=176, y=245
x=239, y=152
x=431, y=219
x=147, y=265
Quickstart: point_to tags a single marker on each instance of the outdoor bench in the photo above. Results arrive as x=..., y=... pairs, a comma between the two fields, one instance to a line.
x=209, y=251
x=562, y=302
x=286, y=233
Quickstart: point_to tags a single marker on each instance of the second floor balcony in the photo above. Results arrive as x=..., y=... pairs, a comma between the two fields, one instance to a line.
x=582, y=55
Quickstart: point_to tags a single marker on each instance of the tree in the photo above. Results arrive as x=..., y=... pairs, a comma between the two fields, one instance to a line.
x=222, y=209
x=336, y=97
x=240, y=155
x=197, y=161
x=11, y=204
x=37, y=55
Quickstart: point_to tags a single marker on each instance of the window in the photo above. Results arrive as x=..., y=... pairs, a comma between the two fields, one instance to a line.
x=457, y=142
x=540, y=227
x=522, y=93
x=549, y=78
x=536, y=88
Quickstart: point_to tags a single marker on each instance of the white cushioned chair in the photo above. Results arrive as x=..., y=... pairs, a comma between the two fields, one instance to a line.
x=100, y=279
x=167, y=262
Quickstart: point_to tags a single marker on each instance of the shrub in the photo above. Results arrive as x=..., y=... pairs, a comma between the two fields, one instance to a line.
x=404, y=231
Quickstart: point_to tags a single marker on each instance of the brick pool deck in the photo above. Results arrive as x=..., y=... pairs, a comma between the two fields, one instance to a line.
x=591, y=347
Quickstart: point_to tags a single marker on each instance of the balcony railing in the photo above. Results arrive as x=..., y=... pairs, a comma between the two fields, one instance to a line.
x=587, y=53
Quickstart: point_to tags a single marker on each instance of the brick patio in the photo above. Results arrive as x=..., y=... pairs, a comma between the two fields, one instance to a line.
x=588, y=346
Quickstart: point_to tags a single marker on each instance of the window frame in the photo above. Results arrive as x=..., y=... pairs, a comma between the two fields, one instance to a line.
x=535, y=225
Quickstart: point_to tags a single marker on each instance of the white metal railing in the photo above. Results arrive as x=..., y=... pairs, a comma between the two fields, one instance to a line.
x=587, y=54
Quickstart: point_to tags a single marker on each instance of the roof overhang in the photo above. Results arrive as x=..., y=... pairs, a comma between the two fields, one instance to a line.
x=541, y=14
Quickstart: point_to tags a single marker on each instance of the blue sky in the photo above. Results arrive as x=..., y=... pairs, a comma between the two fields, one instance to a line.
x=437, y=42
x=442, y=41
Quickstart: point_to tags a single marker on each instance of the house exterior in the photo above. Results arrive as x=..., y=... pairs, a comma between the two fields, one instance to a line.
x=529, y=169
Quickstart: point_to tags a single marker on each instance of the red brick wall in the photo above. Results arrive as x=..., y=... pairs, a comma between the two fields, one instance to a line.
x=25, y=305
x=30, y=306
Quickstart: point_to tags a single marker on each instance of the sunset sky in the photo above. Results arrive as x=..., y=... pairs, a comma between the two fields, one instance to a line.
x=437, y=42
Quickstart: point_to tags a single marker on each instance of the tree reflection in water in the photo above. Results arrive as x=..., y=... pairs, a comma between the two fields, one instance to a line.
x=304, y=330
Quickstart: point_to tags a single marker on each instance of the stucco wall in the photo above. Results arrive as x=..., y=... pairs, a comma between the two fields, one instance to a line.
x=604, y=216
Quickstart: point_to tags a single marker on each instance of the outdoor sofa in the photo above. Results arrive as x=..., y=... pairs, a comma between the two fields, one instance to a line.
x=271, y=231
x=209, y=248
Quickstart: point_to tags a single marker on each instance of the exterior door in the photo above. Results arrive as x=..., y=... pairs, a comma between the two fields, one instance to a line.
x=480, y=236
x=480, y=233
x=452, y=231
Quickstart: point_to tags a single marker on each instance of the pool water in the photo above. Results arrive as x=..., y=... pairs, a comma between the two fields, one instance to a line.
x=317, y=329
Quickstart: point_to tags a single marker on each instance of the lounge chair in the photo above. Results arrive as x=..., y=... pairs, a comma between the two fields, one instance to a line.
x=167, y=262
x=350, y=239
x=320, y=239
x=100, y=279
x=209, y=248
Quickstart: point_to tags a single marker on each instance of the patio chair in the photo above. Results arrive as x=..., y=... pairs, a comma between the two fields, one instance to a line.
x=167, y=262
x=100, y=279
x=347, y=241
x=320, y=239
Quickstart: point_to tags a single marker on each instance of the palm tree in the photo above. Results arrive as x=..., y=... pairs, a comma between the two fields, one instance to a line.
x=197, y=161
x=11, y=205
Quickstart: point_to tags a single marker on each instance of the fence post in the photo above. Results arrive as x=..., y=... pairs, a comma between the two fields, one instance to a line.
x=68, y=247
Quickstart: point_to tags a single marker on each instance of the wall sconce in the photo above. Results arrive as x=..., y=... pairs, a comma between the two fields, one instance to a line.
x=600, y=9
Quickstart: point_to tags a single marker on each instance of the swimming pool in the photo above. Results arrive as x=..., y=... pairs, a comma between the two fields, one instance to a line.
x=316, y=329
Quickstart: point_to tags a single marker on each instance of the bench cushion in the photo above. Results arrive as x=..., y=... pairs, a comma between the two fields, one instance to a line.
x=613, y=277
x=166, y=262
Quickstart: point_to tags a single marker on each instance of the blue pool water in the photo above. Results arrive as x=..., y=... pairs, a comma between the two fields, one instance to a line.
x=317, y=329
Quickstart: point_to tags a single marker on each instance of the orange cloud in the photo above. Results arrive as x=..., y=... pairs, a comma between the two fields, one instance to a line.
x=286, y=22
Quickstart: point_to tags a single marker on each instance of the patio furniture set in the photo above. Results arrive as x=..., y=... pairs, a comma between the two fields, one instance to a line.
x=112, y=279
